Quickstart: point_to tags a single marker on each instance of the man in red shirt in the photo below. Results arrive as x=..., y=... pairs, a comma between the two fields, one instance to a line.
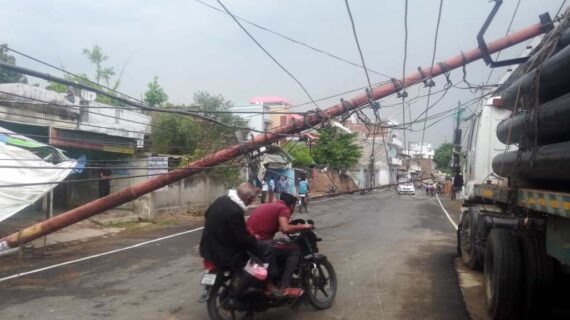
x=263, y=224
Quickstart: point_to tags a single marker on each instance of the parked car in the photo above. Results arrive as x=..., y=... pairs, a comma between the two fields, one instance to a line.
x=406, y=188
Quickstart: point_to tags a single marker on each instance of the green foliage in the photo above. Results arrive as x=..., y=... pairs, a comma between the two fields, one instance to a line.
x=97, y=57
x=61, y=88
x=185, y=135
x=9, y=76
x=442, y=156
x=215, y=136
x=155, y=95
x=206, y=102
x=336, y=149
x=300, y=152
x=174, y=134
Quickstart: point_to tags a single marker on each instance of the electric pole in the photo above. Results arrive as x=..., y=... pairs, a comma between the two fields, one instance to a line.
x=457, y=139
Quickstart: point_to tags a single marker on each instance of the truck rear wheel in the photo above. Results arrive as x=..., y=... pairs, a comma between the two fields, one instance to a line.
x=503, y=275
x=538, y=270
x=469, y=252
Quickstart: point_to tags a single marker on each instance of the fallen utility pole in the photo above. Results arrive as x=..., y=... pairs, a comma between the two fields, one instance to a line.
x=118, y=198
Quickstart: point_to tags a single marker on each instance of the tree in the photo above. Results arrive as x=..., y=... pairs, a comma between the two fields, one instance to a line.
x=300, y=152
x=174, y=134
x=216, y=135
x=62, y=88
x=97, y=57
x=185, y=135
x=208, y=105
x=9, y=76
x=442, y=156
x=336, y=149
x=155, y=95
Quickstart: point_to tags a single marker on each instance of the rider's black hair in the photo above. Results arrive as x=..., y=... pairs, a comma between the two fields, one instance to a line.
x=288, y=198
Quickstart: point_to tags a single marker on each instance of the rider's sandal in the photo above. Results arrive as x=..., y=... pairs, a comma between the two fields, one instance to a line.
x=292, y=292
x=275, y=293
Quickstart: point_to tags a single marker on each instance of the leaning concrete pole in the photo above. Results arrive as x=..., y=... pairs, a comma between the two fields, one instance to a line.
x=115, y=199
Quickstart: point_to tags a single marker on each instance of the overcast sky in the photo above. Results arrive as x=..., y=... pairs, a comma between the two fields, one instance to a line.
x=191, y=47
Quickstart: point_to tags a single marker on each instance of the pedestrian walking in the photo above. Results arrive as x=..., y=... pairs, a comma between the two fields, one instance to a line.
x=457, y=185
x=271, y=189
x=283, y=185
x=264, y=189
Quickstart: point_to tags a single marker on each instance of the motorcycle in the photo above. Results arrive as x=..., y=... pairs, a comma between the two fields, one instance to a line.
x=430, y=190
x=227, y=297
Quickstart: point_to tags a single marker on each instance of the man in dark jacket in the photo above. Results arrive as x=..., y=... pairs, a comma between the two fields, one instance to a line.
x=225, y=238
x=457, y=185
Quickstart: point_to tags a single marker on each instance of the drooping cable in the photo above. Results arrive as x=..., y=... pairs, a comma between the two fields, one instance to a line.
x=431, y=70
x=267, y=53
x=404, y=70
x=289, y=38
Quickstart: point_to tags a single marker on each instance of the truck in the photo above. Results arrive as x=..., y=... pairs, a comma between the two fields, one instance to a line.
x=515, y=217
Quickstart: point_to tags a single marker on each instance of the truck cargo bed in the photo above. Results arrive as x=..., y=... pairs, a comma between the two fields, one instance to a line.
x=551, y=202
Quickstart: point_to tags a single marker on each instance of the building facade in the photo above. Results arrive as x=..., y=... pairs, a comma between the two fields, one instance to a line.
x=101, y=134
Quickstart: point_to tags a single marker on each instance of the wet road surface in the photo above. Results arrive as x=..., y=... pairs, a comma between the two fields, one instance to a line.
x=393, y=257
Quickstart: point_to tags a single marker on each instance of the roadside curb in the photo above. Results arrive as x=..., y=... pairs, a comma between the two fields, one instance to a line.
x=472, y=290
x=69, y=237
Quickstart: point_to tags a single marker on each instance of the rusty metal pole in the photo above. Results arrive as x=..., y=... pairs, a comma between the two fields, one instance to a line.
x=115, y=199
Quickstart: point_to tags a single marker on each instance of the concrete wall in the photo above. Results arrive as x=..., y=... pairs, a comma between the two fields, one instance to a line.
x=193, y=194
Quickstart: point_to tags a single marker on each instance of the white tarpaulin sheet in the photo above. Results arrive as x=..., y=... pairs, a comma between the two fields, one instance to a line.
x=33, y=170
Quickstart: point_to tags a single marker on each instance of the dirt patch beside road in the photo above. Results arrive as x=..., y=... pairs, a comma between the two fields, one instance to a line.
x=471, y=284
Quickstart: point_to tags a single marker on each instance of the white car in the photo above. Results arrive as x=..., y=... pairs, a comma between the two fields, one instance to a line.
x=406, y=188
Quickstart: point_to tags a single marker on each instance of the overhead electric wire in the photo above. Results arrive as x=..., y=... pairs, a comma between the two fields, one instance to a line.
x=560, y=9
x=431, y=70
x=74, y=107
x=404, y=70
x=181, y=148
x=374, y=103
x=74, y=75
x=96, y=167
x=49, y=77
x=13, y=185
x=78, y=108
x=358, y=44
x=268, y=54
x=200, y=111
x=441, y=114
x=288, y=38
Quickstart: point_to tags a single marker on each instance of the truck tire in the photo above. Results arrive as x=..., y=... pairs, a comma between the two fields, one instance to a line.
x=538, y=270
x=469, y=251
x=503, y=276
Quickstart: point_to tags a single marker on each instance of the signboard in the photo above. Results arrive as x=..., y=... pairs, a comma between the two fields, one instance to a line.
x=156, y=166
x=91, y=141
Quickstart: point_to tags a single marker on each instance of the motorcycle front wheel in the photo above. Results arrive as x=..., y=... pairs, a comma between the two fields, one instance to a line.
x=320, y=284
x=218, y=301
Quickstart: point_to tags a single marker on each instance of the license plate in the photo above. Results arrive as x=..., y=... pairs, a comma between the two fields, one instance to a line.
x=208, y=279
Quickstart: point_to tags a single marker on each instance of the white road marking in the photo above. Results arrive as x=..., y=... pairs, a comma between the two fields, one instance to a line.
x=446, y=213
x=97, y=255
x=18, y=275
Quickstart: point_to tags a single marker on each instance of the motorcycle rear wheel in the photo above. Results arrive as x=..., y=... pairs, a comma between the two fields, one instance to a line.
x=320, y=284
x=216, y=311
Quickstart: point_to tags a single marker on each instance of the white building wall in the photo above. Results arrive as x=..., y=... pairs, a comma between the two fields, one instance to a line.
x=116, y=122
x=255, y=121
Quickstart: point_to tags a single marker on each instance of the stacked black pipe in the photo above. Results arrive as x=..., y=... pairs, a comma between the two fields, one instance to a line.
x=543, y=131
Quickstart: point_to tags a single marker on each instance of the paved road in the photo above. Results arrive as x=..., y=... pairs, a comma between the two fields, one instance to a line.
x=393, y=256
